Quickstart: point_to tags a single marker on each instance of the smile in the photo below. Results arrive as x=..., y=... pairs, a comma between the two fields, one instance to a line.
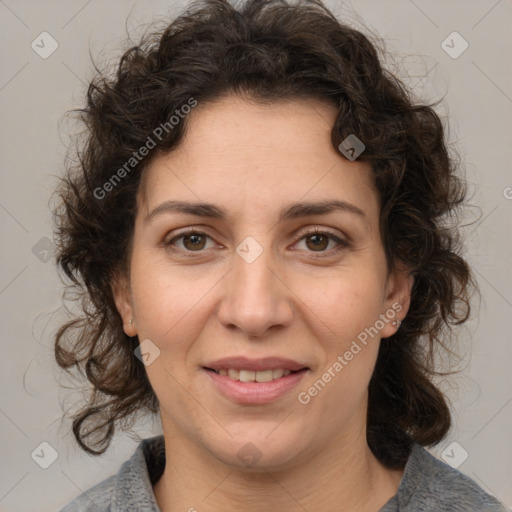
x=254, y=387
x=253, y=376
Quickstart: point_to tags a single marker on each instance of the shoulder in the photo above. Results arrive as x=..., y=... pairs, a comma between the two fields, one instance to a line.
x=131, y=488
x=97, y=499
x=429, y=484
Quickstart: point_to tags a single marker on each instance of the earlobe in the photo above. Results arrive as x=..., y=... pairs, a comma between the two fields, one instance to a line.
x=122, y=299
x=398, y=300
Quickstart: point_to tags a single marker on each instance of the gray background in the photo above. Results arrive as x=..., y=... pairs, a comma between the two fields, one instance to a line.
x=35, y=93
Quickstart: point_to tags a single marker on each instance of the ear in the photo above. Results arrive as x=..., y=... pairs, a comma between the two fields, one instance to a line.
x=122, y=298
x=398, y=299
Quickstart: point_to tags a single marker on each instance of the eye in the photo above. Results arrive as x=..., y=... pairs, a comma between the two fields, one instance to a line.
x=318, y=241
x=192, y=241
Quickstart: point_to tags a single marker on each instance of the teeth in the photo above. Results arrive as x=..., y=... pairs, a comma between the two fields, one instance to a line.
x=234, y=374
x=277, y=373
x=247, y=376
x=264, y=376
x=252, y=376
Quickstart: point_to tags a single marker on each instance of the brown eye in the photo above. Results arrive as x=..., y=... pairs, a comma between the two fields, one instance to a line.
x=318, y=241
x=323, y=243
x=189, y=242
x=194, y=242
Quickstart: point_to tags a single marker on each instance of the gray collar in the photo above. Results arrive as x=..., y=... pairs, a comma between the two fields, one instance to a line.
x=133, y=487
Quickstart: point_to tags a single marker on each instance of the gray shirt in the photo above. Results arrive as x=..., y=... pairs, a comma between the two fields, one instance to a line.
x=427, y=485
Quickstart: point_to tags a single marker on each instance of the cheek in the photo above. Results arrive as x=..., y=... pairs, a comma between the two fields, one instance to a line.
x=168, y=301
x=341, y=305
x=170, y=308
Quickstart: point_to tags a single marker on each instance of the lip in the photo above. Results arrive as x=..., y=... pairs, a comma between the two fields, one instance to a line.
x=255, y=392
x=262, y=364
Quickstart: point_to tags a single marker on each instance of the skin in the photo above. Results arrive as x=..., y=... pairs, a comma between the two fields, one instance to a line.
x=252, y=160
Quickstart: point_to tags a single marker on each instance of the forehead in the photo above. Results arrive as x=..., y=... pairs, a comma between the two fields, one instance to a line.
x=242, y=153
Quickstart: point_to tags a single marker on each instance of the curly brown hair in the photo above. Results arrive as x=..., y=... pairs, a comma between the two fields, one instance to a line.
x=271, y=50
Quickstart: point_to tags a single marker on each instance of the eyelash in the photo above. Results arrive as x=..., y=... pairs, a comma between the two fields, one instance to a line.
x=342, y=244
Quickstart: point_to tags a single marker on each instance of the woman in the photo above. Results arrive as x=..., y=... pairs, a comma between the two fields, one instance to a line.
x=258, y=227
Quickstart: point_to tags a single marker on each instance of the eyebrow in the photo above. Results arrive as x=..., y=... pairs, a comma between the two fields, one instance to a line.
x=289, y=212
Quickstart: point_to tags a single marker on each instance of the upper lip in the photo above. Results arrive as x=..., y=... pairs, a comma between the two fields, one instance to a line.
x=262, y=364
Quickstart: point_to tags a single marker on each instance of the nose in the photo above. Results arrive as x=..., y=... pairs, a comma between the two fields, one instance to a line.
x=255, y=296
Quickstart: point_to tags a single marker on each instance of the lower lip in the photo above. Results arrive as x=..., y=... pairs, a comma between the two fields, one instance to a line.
x=255, y=392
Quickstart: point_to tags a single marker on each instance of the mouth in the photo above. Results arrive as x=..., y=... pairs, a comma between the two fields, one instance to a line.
x=251, y=387
x=242, y=375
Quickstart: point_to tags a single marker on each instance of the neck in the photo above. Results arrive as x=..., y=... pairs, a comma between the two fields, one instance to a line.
x=345, y=476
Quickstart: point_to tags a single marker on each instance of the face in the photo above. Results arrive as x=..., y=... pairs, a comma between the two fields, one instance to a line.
x=286, y=261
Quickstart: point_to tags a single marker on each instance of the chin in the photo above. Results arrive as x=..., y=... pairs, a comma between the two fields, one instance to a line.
x=260, y=453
